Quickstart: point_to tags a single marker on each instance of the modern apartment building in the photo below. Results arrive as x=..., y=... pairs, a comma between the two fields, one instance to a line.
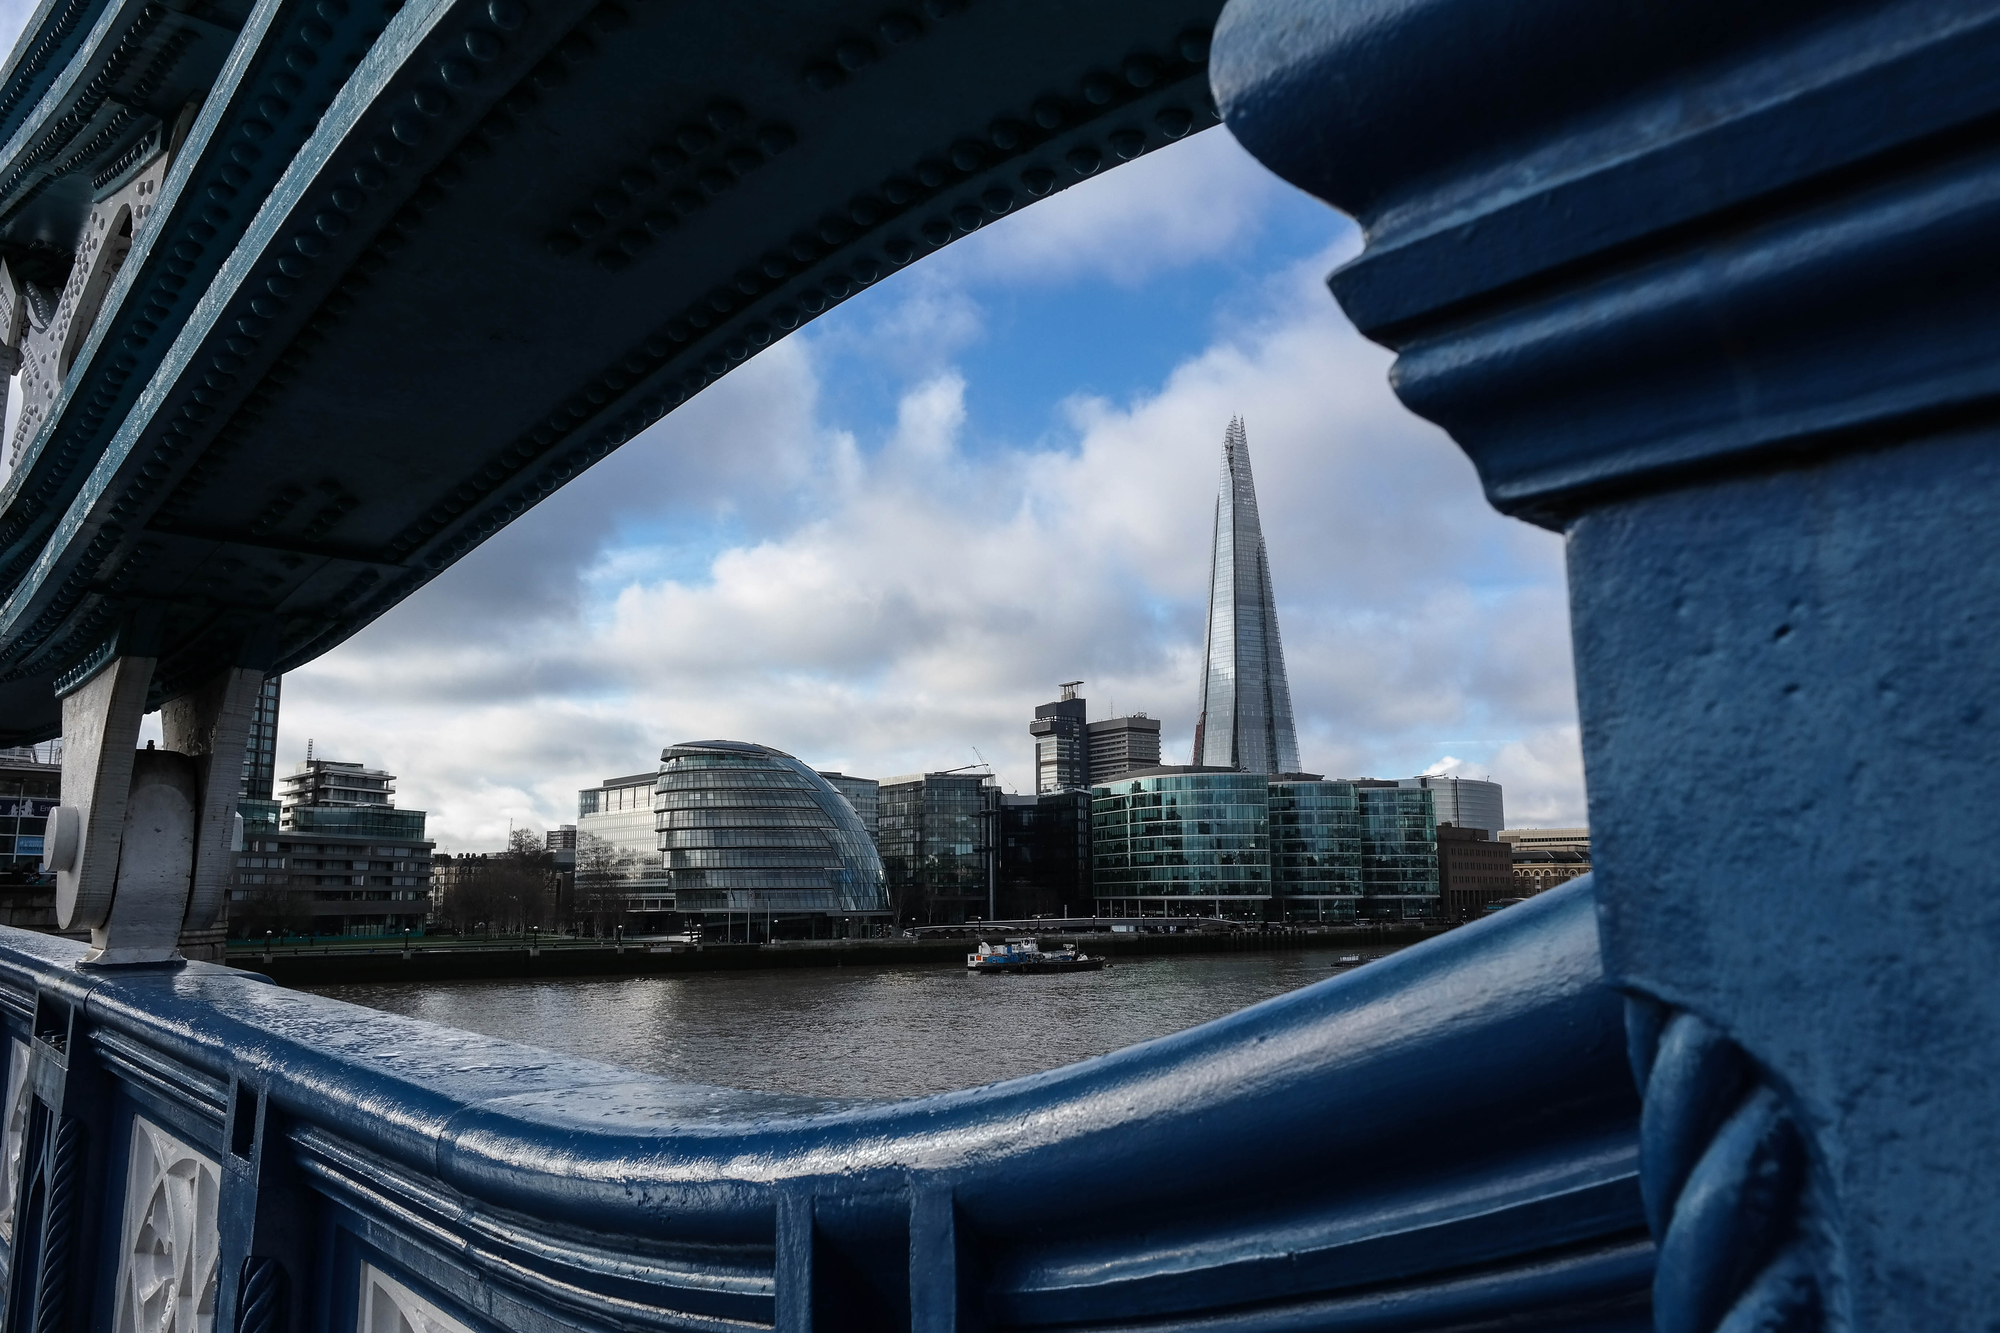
x=331, y=784
x=333, y=856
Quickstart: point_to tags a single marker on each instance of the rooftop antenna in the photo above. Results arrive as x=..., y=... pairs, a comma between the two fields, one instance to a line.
x=1069, y=692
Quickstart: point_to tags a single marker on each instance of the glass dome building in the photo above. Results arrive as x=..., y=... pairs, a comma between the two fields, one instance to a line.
x=746, y=830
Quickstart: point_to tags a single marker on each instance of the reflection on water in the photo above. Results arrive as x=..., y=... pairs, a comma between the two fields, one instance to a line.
x=856, y=1032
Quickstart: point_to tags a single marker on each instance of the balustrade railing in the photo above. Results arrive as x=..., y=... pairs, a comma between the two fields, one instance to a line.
x=1444, y=1137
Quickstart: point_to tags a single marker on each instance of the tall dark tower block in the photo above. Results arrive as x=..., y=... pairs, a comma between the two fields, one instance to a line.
x=260, y=756
x=1062, y=756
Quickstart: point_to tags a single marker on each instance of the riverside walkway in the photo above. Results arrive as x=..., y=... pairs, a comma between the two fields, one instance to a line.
x=310, y=297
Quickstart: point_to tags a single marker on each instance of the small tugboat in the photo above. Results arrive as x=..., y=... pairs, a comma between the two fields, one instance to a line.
x=1025, y=955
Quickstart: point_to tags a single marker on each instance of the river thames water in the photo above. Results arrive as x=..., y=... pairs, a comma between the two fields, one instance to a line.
x=857, y=1032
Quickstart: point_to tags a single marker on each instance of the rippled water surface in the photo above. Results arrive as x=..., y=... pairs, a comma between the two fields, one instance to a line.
x=857, y=1032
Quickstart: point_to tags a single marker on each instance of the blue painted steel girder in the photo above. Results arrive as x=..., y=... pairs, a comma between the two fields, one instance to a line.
x=416, y=267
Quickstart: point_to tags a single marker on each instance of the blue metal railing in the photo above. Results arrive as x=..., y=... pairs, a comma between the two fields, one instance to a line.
x=1443, y=1137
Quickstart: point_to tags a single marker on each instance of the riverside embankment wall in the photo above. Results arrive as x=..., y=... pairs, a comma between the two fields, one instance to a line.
x=341, y=964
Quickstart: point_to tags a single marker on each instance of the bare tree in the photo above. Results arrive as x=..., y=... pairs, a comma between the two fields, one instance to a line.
x=603, y=869
x=270, y=907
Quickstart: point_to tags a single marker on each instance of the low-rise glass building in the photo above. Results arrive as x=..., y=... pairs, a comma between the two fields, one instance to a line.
x=1182, y=842
x=756, y=844
x=1250, y=846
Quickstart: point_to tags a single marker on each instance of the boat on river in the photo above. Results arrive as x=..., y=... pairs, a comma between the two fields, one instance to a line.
x=1028, y=956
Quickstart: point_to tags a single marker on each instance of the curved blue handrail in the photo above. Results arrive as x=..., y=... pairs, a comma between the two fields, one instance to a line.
x=1452, y=1128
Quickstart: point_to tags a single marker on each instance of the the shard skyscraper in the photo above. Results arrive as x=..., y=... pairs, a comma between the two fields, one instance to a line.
x=1246, y=703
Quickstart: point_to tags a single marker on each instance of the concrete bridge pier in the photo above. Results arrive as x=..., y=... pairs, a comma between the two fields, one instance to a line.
x=143, y=842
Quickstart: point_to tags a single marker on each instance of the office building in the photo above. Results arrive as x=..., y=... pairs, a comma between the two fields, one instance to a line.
x=1475, y=873
x=937, y=840
x=1062, y=757
x=1399, y=859
x=619, y=868
x=332, y=856
x=260, y=752
x=759, y=846
x=865, y=795
x=1315, y=847
x=1465, y=802
x=1182, y=841
x=1245, y=717
x=1121, y=745
x=1044, y=855
x=1207, y=842
x=1548, y=839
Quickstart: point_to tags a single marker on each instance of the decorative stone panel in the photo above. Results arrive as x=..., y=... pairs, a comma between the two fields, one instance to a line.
x=169, y=1244
x=13, y=1136
x=387, y=1306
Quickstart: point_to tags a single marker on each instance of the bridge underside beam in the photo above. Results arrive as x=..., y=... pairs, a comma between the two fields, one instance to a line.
x=517, y=235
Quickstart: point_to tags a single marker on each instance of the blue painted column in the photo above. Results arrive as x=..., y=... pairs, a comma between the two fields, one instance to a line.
x=1714, y=290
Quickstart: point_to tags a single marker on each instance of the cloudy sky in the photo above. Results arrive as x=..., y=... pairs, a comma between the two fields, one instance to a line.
x=882, y=542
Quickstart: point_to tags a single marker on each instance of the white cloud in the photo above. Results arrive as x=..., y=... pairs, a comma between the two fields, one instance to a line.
x=912, y=613
x=1167, y=209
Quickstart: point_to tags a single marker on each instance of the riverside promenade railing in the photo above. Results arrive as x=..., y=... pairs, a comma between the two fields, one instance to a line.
x=1443, y=1138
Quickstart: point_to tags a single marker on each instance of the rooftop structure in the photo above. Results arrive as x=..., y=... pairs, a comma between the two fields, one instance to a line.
x=1465, y=802
x=329, y=782
x=1553, y=839
x=1245, y=721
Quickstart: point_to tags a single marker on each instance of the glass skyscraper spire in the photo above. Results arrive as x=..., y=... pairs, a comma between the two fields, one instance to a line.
x=1246, y=703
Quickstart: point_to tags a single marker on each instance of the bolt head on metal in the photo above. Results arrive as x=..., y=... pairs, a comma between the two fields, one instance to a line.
x=64, y=834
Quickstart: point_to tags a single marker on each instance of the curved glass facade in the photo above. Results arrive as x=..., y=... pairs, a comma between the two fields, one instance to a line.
x=1182, y=844
x=746, y=828
x=1316, y=849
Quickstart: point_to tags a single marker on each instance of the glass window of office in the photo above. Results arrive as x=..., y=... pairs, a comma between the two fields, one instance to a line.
x=1316, y=850
x=1182, y=844
x=1399, y=864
